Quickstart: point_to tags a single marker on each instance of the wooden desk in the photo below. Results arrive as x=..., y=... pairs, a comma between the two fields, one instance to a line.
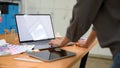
x=9, y=62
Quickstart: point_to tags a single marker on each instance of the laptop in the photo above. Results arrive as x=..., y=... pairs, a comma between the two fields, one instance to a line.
x=35, y=29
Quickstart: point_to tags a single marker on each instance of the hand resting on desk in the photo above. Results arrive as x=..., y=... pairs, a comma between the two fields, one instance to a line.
x=82, y=43
x=56, y=42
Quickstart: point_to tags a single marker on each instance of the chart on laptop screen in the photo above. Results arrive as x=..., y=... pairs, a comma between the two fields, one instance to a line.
x=34, y=27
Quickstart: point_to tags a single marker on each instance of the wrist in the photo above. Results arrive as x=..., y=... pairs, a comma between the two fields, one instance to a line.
x=85, y=46
x=65, y=40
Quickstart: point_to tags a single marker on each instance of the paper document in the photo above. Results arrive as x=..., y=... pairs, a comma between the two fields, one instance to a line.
x=17, y=49
x=10, y=49
x=2, y=42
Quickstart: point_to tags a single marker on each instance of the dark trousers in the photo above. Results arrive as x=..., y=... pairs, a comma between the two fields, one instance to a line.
x=116, y=61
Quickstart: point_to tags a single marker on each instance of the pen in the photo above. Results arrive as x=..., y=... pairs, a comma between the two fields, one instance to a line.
x=29, y=60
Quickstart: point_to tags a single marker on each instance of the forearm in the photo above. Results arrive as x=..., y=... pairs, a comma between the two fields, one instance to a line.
x=64, y=41
x=91, y=38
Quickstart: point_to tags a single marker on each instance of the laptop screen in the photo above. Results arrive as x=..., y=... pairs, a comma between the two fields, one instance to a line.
x=34, y=27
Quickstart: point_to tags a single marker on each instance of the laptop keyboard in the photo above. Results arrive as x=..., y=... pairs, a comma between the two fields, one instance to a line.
x=40, y=44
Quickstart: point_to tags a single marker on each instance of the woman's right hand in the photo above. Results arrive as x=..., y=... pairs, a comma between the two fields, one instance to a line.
x=56, y=42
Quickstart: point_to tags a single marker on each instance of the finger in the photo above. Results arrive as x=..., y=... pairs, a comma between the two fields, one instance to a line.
x=51, y=42
x=77, y=44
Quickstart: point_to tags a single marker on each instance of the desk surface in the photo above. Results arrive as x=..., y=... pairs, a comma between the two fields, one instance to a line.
x=9, y=62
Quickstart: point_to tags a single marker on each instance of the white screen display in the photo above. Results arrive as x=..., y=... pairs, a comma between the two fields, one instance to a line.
x=34, y=27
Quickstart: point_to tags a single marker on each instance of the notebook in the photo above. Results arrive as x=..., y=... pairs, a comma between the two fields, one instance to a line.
x=35, y=29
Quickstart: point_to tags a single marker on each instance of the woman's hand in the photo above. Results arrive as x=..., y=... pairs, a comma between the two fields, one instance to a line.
x=56, y=42
x=82, y=43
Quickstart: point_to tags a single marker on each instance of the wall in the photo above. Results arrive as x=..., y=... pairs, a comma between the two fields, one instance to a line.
x=61, y=11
